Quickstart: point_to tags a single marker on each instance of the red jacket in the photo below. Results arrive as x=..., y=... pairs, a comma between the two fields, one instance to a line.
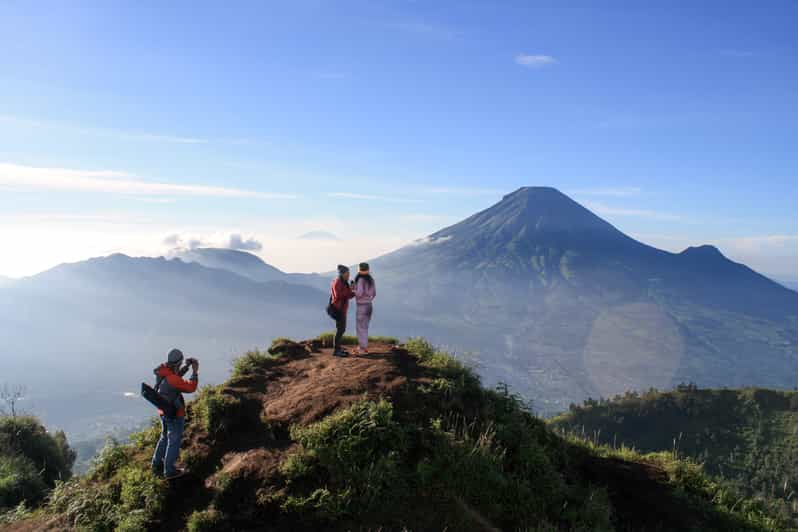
x=173, y=386
x=341, y=294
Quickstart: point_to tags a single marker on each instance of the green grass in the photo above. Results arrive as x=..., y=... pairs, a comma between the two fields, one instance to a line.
x=327, y=339
x=442, y=453
x=251, y=362
x=215, y=411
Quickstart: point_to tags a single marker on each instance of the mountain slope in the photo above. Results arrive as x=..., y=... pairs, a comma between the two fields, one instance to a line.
x=744, y=436
x=246, y=265
x=299, y=440
x=239, y=262
x=562, y=305
x=81, y=335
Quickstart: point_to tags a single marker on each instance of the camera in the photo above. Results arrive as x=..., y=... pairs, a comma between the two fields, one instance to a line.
x=191, y=360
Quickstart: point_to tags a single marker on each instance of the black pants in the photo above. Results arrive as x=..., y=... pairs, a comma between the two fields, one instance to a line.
x=340, y=329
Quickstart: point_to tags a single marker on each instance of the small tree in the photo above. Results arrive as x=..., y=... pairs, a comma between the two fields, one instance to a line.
x=10, y=396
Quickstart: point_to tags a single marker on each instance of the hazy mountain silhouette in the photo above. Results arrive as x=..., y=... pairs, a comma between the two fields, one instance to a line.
x=82, y=334
x=245, y=264
x=240, y=262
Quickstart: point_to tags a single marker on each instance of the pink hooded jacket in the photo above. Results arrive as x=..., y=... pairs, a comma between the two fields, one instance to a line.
x=365, y=293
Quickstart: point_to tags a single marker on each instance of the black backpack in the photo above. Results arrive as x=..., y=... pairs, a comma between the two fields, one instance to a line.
x=154, y=397
x=157, y=400
x=333, y=311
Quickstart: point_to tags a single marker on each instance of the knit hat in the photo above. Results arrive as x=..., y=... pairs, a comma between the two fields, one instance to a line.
x=363, y=267
x=342, y=269
x=175, y=356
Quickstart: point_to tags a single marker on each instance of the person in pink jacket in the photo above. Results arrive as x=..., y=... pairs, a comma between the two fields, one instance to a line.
x=365, y=292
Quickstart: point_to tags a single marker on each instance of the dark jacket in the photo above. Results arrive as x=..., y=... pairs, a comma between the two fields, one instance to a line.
x=172, y=386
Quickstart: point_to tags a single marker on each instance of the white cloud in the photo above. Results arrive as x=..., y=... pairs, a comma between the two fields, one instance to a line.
x=112, y=182
x=616, y=192
x=244, y=244
x=429, y=241
x=104, y=132
x=370, y=197
x=535, y=60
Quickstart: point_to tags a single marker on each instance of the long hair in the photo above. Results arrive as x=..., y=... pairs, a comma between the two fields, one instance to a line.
x=367, y=277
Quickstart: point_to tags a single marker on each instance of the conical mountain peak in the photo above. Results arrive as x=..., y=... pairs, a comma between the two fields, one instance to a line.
x=537, y=215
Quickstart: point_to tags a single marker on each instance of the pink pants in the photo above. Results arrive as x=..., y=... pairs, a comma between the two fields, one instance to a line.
x=364, y=311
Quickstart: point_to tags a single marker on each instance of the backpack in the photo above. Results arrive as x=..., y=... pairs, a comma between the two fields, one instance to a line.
x=154, y=397
x=333, y=311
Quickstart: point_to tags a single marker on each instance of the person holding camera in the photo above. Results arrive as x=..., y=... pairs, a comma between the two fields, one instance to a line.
x=341, y=291
x=171, y=385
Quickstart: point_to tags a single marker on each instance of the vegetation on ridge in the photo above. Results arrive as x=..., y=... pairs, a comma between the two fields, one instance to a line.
x=282, y=443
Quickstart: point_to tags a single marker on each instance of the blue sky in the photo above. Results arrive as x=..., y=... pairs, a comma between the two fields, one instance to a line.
x=125, y=122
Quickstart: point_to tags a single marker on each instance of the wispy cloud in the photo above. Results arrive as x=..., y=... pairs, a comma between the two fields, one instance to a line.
x=113, y=182
x=607, y=210
x=426, y=29
x=615, y=192
x=464, y=191
x=371, y=197
x=104, y=132
x=535, y=60
x=764, y=242
x=426, y=218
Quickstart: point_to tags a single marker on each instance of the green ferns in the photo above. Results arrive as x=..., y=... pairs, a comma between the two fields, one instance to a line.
x=120, y=493
x=357, y=451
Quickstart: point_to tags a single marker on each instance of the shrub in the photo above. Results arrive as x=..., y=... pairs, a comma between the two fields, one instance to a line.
x=218, y=412
x=87, y=505
x=19, y=481
x=111, y=459
x=31, y=460
x=141, y=490
x=146, y=439
x=26, y=436
x=250, y=363
x=204, y=521
x=355, y=453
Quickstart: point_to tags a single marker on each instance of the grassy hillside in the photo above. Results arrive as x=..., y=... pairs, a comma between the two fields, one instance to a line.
x=746, y=437
x=403, y=439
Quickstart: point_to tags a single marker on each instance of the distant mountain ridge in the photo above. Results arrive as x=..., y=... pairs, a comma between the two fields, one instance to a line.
x=243, y=263
x=537, y=291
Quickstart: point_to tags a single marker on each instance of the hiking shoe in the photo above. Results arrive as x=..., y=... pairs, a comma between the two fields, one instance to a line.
x=342, y=354
x=177, y=474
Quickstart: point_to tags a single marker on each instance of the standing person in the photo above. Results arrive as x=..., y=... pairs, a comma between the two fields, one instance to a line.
x=171, y=385
x=365, y=292
x=340, y=294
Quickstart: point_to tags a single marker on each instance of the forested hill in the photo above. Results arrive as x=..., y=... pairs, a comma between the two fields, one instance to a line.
x=747, y=436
